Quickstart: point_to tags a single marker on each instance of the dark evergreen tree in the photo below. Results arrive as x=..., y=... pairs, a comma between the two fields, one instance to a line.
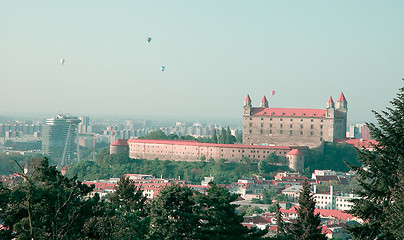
x=172, y=214
x=380, y=177
x=130, y=211
x=45, y=206
x=307, y=225
x=218, y=216
x=214, y=136
x=280, y=230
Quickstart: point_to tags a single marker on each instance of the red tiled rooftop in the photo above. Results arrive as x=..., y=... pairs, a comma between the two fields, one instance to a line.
x=330, y=100
x=295, y=152
x=359, y=143
x=297, y=112
x=341, y=98
x=120, y=142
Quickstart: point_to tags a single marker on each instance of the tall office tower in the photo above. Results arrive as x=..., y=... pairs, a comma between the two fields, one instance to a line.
x=84, y=126
x=60, y=139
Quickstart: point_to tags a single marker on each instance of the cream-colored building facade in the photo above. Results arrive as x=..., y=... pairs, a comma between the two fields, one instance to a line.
x=294, y=126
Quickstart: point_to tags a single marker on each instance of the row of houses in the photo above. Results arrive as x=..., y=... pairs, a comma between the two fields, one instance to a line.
x=333, y=222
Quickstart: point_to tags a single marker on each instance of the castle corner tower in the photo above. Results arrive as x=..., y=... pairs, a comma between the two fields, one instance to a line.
x=247, y=106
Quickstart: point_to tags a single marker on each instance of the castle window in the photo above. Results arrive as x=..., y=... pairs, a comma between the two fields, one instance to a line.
x=290, y=132
x=281, y=119
x=312, y=126
x=262, y=124
x=321, y=120
x=262, y=119
x=261, y=131
x=250, y=118
x=270, y=131
x=301, y=132
x=250, y=124
x=280, y=132
x=270, y=125
x=291, y=125
x=250, y=131
x=301, y=120
x=301, y=126
x=321, y=126
x=270, y=119
x=291, y=119
x=281, y=125
x=311, y=133
x=311, y=120
x=321, y=133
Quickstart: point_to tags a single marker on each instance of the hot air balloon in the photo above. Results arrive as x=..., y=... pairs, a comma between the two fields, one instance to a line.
x=272, y=92
x=62, y=61
x=149, y=39
x=163, y=68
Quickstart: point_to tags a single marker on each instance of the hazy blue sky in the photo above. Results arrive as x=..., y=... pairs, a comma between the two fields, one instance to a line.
x=215, y=53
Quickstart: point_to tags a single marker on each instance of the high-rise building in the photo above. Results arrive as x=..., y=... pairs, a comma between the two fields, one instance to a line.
x=60, y=139
x=84, y=125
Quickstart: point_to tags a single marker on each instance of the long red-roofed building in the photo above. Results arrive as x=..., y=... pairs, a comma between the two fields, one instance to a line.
x=294, y=126
x=191, y=150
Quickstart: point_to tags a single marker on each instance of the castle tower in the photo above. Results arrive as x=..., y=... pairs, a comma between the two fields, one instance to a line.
x=247, y=106
x=341, y=118
x=342, y=102
x=264, y=102
x=296, y=160
x=330, y=108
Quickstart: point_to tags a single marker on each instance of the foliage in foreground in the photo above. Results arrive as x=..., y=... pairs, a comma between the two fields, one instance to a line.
x=50, y=206
x=307, y=225
x=382, y=178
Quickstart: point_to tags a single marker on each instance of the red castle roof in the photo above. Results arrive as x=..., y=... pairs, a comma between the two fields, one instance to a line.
x=341, y=98
x=330, y=100
x=264, y=99
x=295, y=152
x=120, y=142
x=248, y=98
x=303, y=112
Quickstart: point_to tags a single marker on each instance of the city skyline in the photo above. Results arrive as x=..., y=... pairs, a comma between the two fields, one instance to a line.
x=214, y=53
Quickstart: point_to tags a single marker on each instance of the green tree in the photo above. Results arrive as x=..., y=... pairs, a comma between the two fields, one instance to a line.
x=158, y=134
x=307, y=225
x=281, y=229
x=46, y=206
x=132, y=221
x=253, y=210
x=172, y=214
x=219, y=218
x=214, y=136
x=381, y=177
x=272, y=158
